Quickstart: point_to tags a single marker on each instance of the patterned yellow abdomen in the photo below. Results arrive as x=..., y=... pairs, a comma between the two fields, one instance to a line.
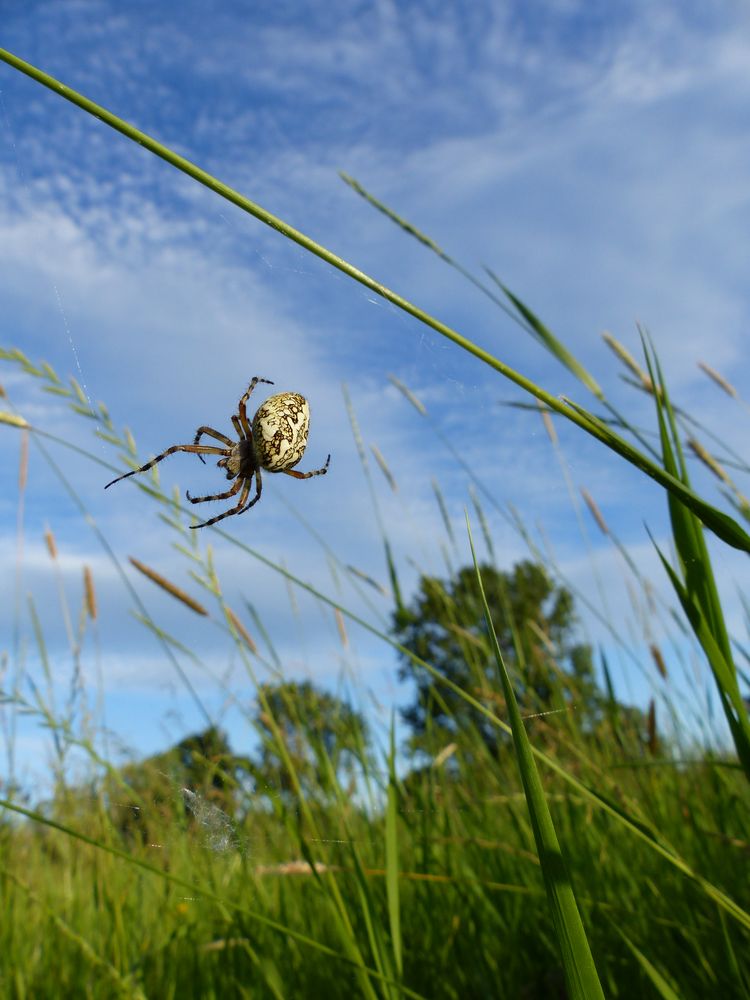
x=280, y=430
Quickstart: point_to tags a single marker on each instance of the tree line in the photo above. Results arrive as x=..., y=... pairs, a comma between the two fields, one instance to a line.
x=312, y=744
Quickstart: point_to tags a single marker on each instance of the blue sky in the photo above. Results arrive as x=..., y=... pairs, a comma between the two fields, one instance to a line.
x=593, y=155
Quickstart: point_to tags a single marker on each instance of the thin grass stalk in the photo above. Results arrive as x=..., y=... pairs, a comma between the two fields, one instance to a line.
x=442, y=506
x=368, y=909
x=384, y=467
x=390, y=562
x=483, y=524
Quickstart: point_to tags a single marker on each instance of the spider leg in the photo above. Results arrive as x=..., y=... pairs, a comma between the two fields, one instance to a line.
x=196, y=449
x=239, y=429
x=241, y=409
x=217, y=434
x=216, y=496
x=240, y=506
x=308, y=475
x=258, y=489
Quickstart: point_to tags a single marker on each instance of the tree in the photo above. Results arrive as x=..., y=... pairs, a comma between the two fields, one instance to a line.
x=445, y=626
x=309, y=740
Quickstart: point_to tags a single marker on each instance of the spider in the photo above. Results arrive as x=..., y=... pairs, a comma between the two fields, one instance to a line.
x=275, y=442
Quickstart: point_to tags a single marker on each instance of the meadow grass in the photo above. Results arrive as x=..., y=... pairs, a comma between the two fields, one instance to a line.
x=571, y=861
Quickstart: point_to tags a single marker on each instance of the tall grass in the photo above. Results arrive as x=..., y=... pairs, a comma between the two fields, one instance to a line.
x=586, y=862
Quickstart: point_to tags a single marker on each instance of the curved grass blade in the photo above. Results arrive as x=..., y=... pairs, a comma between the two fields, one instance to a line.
x=578, y=963
x=520, y=313
x=722, y=668
x=547, y=339
x=696, y=584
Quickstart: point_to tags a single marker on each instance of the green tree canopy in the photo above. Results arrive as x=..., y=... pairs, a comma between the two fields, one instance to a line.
x=307, y=731
x=535, y=625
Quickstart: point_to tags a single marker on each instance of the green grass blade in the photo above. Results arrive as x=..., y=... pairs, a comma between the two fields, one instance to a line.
x=722, y=669
x=578, y=963
x=547, y=339
x=658, y=981
x=697, y=589
x=690, y=543
x=391, y=856
x=373, y=927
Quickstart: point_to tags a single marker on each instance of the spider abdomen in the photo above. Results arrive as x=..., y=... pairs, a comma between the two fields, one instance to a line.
x=280, y=430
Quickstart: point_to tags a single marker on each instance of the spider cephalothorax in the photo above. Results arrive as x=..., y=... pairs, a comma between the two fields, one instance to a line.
x=276, y=441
